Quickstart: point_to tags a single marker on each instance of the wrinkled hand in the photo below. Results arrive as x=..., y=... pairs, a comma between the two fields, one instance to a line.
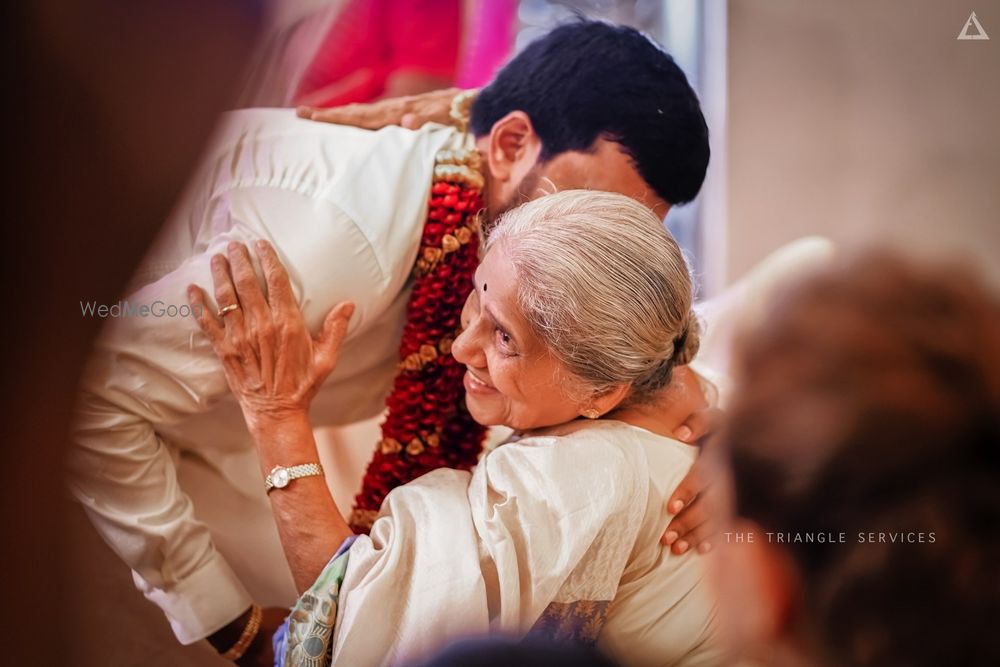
x=411, y=112
x=692, y=526
x=273, y=365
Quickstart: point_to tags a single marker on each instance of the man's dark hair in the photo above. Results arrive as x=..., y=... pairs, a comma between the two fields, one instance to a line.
x=589, y=79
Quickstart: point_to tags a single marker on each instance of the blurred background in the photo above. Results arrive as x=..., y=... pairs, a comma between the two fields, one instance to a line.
x=855, y=120
x=850, y=120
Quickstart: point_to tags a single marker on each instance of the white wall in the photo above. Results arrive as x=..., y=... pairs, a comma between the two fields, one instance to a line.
x=863, y=119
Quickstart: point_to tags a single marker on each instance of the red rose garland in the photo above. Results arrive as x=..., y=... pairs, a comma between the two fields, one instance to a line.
x=427, y=425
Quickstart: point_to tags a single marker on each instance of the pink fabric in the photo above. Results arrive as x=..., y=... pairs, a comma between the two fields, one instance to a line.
x=371, y=39
x=489, y=41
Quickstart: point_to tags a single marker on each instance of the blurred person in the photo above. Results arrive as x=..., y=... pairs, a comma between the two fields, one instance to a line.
x=489, y=28
x=351, y=51
x=387, y=219
x=377, y=48
x=71, y=240
x=555, y=531
x=862, y=445
x=503, y=652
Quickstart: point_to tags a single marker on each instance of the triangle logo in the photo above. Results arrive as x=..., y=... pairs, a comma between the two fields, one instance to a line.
x=973, y=22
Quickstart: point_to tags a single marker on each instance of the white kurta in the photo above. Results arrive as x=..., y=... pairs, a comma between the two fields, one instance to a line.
x=558, y=530
x=345, y=209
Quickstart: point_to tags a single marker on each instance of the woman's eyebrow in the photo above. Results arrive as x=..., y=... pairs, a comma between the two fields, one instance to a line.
x=500, y=325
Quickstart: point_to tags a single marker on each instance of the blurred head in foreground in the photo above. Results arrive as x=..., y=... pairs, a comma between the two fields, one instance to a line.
x=513, y=652
x=864, y=454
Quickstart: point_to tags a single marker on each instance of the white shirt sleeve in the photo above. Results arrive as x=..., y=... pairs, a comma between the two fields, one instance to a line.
x=344, y=209
x=145, y=371
x=152, y=370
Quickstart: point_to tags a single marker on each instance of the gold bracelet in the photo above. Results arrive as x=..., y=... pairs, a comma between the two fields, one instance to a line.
x=249, y=632
x=460, y=107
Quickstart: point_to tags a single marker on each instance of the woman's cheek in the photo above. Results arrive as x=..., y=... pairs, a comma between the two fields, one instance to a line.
x=507, y=378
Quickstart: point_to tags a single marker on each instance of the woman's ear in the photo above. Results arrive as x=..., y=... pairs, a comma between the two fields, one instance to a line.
x=513, y=148
x=610, y=399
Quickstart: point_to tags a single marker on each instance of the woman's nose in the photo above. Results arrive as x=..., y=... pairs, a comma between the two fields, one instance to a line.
x=467, y=350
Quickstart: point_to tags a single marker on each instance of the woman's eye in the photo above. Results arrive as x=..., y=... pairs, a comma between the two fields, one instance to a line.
x=504, y=339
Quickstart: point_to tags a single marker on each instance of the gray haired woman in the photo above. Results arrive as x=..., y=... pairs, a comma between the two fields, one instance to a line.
x=581, y=309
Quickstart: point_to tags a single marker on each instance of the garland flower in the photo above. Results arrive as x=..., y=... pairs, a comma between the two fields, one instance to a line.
x=428, y=425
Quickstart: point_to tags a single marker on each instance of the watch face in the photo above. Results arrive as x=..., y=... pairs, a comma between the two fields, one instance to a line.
x=279, y=477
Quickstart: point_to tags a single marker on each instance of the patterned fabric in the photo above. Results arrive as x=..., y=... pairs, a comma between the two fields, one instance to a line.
x=579, y=621
x=305, y=638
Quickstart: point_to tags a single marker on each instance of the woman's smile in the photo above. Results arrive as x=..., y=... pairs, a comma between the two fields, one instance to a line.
x=476, y=386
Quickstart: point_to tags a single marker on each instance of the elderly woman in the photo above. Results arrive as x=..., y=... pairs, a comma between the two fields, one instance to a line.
x=581, y=309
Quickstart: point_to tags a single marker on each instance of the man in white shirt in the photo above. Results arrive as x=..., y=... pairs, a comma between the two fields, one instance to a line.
x=588, y=106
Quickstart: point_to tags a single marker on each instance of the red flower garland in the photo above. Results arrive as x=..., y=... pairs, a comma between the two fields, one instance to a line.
x=428, y=425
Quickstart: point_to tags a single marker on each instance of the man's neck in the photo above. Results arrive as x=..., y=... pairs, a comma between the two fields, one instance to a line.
x=668, y=409
x=658, y=418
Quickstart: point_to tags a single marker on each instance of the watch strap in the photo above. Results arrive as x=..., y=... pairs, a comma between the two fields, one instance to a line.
x=292, y=472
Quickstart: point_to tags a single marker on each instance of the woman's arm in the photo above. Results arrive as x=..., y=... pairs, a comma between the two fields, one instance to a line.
x=274, y=367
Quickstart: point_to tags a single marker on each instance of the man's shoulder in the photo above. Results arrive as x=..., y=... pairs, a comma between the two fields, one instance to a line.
x=272, y=129
x=264, y=123
x=348, y=165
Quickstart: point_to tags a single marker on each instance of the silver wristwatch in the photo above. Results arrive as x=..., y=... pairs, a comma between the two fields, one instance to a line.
x=280, y=476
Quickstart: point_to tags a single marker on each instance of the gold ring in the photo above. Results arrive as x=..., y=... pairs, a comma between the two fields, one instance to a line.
x=228, y=309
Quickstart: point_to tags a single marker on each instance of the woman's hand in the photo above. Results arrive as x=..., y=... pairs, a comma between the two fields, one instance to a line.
x=272, y=364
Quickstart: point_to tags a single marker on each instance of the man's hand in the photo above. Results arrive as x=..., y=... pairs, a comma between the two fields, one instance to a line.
x=410, y=112
x=691, y=527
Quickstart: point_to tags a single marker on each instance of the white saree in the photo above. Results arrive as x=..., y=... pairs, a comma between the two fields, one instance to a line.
x=556, y=534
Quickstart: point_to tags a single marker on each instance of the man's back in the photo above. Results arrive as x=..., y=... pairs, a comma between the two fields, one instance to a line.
x=344, y=208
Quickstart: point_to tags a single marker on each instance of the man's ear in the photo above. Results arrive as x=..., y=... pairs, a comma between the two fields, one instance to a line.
x=513, y=147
